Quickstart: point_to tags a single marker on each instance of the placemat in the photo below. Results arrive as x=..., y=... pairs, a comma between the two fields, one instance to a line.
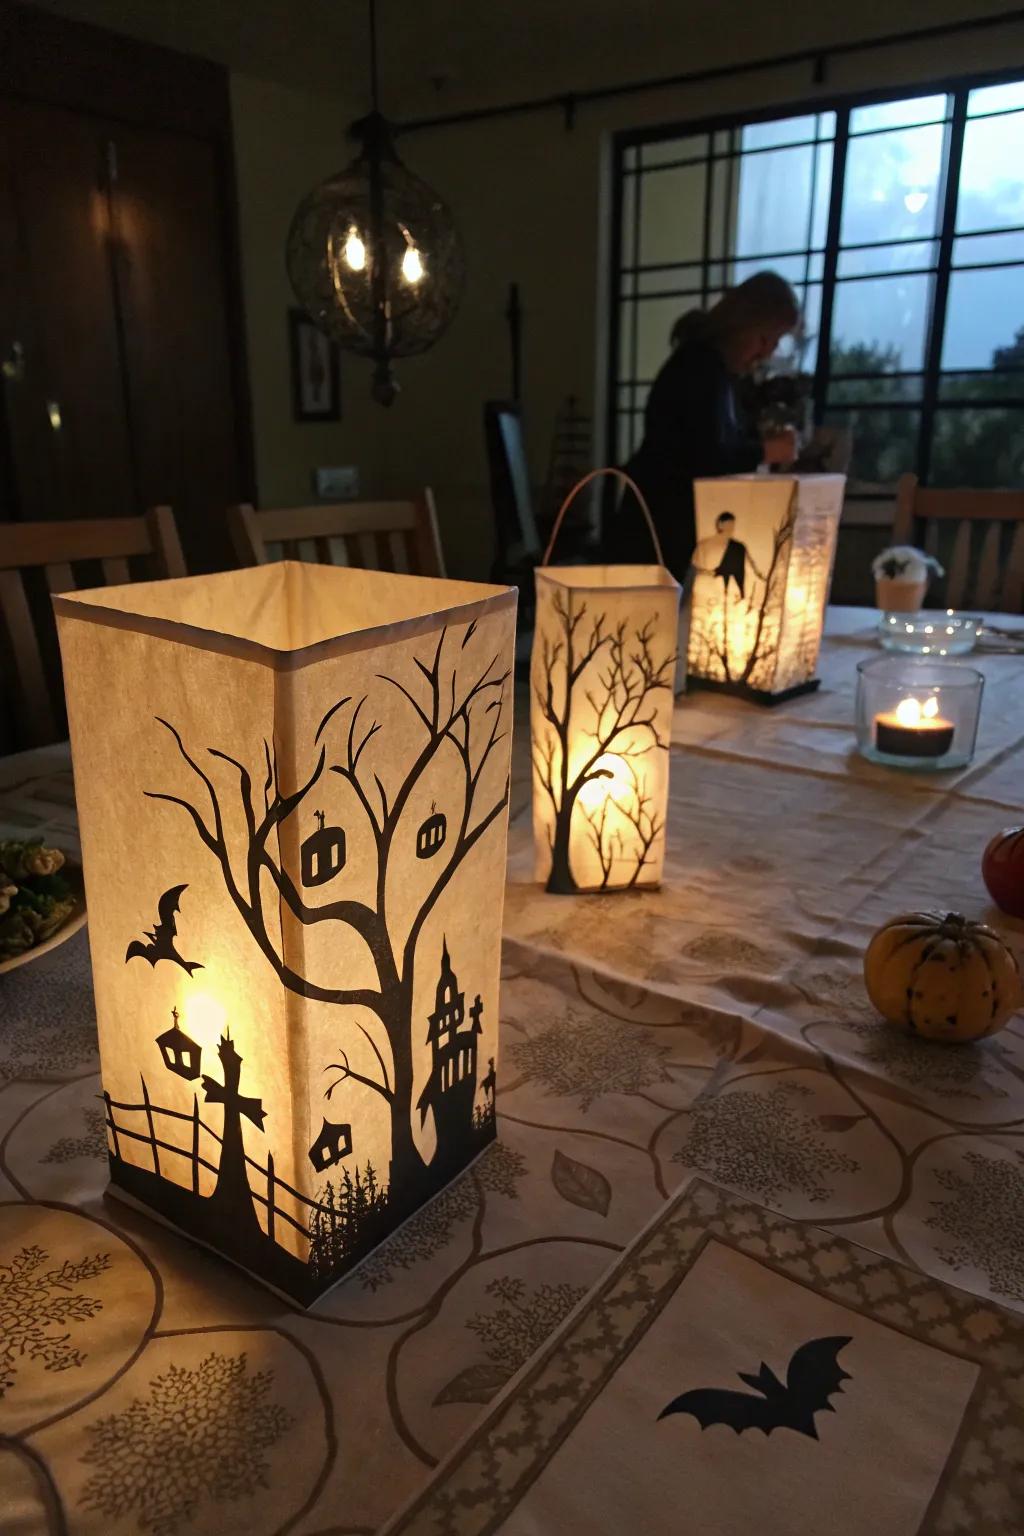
x=736, y=1371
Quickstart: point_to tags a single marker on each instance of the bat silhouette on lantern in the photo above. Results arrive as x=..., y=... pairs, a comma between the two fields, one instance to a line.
x=814, y=1375
x=160, y=945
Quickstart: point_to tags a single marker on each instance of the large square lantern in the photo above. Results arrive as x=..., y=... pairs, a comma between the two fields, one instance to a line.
x=760, y=579
x=290, y=1064
x=601, y=695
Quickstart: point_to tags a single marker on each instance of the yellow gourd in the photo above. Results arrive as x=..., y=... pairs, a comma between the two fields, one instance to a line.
x=941, y=976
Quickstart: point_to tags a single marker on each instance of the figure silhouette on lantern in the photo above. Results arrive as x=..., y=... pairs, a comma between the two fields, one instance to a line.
x=725, y=556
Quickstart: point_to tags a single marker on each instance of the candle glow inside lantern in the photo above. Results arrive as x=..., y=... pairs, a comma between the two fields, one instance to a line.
x=916, y=713
x=760, y=578
x=601, y=695
x=289, y=1066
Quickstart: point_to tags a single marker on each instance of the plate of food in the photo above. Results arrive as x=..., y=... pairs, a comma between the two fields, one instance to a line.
x=42, y=900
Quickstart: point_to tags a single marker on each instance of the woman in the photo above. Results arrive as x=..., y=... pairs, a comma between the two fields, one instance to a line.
x=691, y=425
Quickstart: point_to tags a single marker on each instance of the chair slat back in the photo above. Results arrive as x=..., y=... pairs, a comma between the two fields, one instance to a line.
x=367, y=535
x=980, y=519
x=53, y=548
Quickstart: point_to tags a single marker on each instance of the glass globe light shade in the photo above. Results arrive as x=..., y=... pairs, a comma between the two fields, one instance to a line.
x=375, y=259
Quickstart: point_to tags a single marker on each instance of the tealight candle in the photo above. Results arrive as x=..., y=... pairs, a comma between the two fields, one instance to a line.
x=914, y=729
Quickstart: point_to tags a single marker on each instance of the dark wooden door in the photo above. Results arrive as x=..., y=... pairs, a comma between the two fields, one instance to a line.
x=120, y=390
x=169, y=267
x=69, y=444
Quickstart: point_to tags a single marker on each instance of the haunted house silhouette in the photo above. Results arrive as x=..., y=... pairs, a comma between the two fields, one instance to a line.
x=450, y=1090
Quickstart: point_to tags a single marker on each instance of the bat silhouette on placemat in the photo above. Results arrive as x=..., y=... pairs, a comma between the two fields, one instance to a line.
x=160, y=945
x=813, y=1376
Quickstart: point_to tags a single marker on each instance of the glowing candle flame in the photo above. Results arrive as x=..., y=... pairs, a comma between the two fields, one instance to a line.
x=204, y=1017
x=911, y=712
x=615, y=782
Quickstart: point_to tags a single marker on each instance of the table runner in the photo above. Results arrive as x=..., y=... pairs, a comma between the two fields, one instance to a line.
x=718, y=1026
x=635, y=1415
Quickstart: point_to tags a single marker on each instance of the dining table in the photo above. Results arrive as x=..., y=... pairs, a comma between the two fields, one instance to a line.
x=742, y=1255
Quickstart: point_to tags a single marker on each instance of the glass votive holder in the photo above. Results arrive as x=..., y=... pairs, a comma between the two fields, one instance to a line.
x=930, y=634
x=917, y=713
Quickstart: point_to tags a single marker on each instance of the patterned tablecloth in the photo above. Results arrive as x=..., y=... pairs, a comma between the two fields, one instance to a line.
x=717, y=1027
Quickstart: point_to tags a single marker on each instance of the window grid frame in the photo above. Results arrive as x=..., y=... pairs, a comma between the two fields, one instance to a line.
x=930, y=400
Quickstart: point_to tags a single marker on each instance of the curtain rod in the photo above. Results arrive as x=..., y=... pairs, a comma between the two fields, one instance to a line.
x=569, y=101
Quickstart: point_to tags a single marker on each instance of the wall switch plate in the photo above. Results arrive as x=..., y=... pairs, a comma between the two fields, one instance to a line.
x=339, y=482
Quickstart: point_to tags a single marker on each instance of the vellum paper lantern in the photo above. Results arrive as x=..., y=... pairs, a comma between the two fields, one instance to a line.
x=289, y=1064
x=601, y=695
x=761, y=573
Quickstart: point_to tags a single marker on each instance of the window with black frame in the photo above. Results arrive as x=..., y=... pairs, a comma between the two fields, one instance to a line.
x=901, y=225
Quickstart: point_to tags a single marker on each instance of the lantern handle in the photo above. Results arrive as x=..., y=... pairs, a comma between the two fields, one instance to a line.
x=594, y=474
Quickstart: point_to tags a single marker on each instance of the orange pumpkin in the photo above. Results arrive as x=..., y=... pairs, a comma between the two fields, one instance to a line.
x=941, y=976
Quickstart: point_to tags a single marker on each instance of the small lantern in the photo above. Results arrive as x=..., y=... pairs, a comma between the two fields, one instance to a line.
x=601, y=681
x=333, y=1144
x=761, y=573
x=242, y=697
x=180, y=1052
x=323, y=853
x=431, y=835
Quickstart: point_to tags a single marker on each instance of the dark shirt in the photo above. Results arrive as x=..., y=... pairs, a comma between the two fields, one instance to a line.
x=733, y=563
x=691, y=431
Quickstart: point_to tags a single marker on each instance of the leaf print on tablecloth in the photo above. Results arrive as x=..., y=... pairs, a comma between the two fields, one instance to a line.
x=984, y=1219
x=92, y=1143
x=200, y=1435
x=729, y=950
x=584, y=1056
x=580, y=1184
x=36, y=1306
x=762, y=1143
x=476, y=1384
x=968, y=1071
x=497, y=1171
x=511, y=1334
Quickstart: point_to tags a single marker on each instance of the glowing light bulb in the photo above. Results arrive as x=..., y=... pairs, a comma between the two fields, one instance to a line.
x=412, y=265
x=913, y=202
x=355, y=251
x=929, y=629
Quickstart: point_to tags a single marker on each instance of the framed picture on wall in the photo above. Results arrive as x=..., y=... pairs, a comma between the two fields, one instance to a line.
x=316, y=390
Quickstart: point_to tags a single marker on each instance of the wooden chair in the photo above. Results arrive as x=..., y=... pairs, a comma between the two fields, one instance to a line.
x=999, y=576
x=51, y=549
x=372, y=535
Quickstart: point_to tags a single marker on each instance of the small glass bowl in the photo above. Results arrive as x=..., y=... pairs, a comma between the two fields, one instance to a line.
x=930, y=634
x=916, y=713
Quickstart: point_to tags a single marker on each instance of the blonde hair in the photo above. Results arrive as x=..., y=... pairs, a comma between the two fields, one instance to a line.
x=765, y=300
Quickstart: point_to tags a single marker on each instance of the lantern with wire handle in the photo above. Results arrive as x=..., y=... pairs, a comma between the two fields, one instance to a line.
x=431, y=835
x=601, y=686
x=323, y=853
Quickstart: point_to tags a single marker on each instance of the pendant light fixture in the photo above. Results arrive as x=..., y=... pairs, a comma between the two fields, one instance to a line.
x=373, y=253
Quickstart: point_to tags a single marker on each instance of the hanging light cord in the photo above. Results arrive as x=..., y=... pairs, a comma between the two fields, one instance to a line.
x=373, y=54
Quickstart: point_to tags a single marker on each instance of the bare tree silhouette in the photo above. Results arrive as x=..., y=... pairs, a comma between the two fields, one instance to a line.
x=470, y=719
x=619, y=695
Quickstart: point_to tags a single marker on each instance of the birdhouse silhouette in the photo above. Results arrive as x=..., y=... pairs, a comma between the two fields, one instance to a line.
x=323, y=853
x=333, y=1143
x=431, y=835
x=180, y=1052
